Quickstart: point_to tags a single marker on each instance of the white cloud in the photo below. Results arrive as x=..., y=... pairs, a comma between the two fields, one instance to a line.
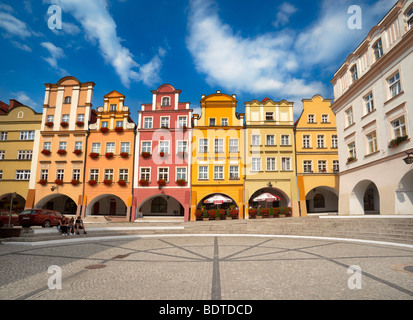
x=55, y=53
x=100, y=28
x=13, y=26
x=21, y=46
x=265, y=63
x=285, y=11
x=24, y=99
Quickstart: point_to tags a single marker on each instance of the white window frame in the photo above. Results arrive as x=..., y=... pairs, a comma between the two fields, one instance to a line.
x=65, y=118
x=181, y=173
x=44, y=174
x=145, y=173
x=308, y=166
x=94, y=174
x=270, y=139
x=311, y=118
x=285, y=140
x=163, y=172
x=256, y=140
x=2, y=154
x=62, y=145
x=306, y=141
x=203, y=174
x=399, y=130
x=110, y=147
x=182, y=121
x=322, y=166
x=255, y=164
x=78, y=145
x=220, y=173
x=147, y=122
x=22, y=175
x=219, y=146
x=164, y=146
x=26, y=135
x=378, y=49
x=234, y=172
x=233, y=145
x=368, y=103
x=324, y=118
x=124, y=174
x=271, y=163
x=96, y=147
x=286, y=163
x=125, y=147
x=47, y=145
x=394, y=84
x=372, y=143
x=3, y=135
x=23, y=154
x=321, y=144
x=203, y=145
x=146, y=146
x=351, y=148
x=334, y=141
x=165, y=101
x=214, y=120
x=165, y=121
x=108, y=174
x=76, y=174
x=349, y=116
x=181, y=146
x=224, y=122
x=60, y=174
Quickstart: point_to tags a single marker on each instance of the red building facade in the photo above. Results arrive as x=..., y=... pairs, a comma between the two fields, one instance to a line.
x=163, y=158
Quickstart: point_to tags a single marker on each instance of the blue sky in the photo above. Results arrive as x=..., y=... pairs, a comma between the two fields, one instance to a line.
x=254, y=49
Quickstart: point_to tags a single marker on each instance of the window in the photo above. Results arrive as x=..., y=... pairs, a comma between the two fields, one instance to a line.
x=324, y=118
x=47, y=146
x=147, y=146
x=203, y=145
x=285, y=140
x=105, y=124
x=378, y=49
x=270, y=140
x=119, y=124
x=308, y=166
x=306, y=142
x=20, y=115
x=78, y=145
x=368, y=103
x=320, y=142
x=60, y=174
x=371, y=142
x=68, y=100
x=224, y=122
x=80, y=118
x=352, y=150
x=164, y=122
x=409, y=18
x=233, y=146
x=50, y=118
x=124, y=174
x=212, y=122
x=286, y=164
x=349, y=117
x=181, y=122
x=22, y=175
x=182, y=146
x=76, y=174
x=271, y=164
x=1, y=174
x=255, y=140
x=218, y=172
x=181, y=174
x=62, y=145
x=112, y=107
x=146, y=174
x=3, y=136
x=256, y=164
x=96, y=147
x=311, y=118
x=110, y=147
x=2, y=152
x=25, y=135
x=65, y=118
x=394, y=85
x=166, y=102
x=44, y=174
x=354, y=74
x=159, y=205
x=334, y=141
x=164, y=146
x=163, y=174
x=322, y=166
x=23, y=154
x=233, y=172
x=108, y=174
x=94, y=174
x=147, y=123
x=203, y=173
x=399, y=128
x=269, y=116
x=336, y=166
x=219, y=146
x=124, y=147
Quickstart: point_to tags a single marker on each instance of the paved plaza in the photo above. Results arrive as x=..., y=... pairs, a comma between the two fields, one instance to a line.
x=208, y=267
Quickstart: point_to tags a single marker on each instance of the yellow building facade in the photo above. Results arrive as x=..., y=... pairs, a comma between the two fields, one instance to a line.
x=270, y=153
x=317, y=157
x=217, y=152
x=17, y=132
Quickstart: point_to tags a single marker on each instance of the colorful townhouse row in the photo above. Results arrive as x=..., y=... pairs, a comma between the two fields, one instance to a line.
x=98, y=162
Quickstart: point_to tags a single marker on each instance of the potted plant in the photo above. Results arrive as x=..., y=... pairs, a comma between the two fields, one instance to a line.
x=94, y=155
x=58, y=182
x=122, y=182
x=49, y=124
x=259, y=213
x=64, y=124
x=43, y=182
x=395, y=142
x=104, y=129
x=282, y=212
x=107, y=182
x=124, y=155
x=228, y=214
x=163, y=154
x=77, y=152
x=144, y=182
x=109, y=155
x=92, y=182
x=61, y=152
x=181, y=182
x=234, y=213
x=46, y=152
x=162, y=182
x=119, y=129
x=198, y=214
x=252, y=212
x=264, y=212
x=271, y=213
x=217, y=214
x=74, y=182
x=146, y=155
x=205, y=215
x=350, y=159
x=80, y=123
x=211, y=214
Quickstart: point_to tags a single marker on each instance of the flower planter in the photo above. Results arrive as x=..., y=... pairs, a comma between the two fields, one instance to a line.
x=61, y=152
x=163, y=154
x=64, y=124
x=94, y=155
x=146, y=155
x=181, y=182
x=162, y=182
x=58, y=182
x=144, y=182
x=228, y=218
x=92, y=182
x=122, y=183
x=74, y=182
x=259, y=217
x=46, y=152
x=49, y=124
x=80, y=123
x=104, y=129
x=124, y=155
x=109, y=155
x=77, y=152
x=205, y=219
x=107, y=182
x=119, y=129
x=43, y=182
x=395, y=142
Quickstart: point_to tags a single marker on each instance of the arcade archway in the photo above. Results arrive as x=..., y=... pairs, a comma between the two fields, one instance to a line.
x=365, y=198
x=58, y=202
x=106, y=205
x=161, y=205
x=322, y=199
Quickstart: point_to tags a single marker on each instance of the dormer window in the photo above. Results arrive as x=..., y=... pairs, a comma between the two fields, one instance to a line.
x=378, y=49
x=113, y=107
x=354, y=74
x=269, y=116
x=68, y=99
x=166, y=102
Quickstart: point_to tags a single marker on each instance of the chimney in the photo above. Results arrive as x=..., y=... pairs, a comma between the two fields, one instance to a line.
x=14, y=103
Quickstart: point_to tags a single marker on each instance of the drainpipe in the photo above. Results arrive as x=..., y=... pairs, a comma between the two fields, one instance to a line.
x=84, y=173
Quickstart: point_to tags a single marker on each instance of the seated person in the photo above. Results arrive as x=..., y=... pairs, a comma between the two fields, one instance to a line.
x=79, y=225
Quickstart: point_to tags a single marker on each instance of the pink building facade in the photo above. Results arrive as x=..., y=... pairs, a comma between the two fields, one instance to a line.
x=163, y=158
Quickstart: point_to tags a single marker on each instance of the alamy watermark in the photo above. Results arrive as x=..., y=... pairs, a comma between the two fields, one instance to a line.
x=355, y=21
x=354, y=281
x=55, y=280
x=55, y=20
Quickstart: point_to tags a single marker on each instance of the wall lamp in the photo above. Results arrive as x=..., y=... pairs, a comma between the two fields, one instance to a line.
x=409, y=158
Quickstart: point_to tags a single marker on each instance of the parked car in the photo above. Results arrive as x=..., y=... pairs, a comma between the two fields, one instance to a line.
x=4, y=218
x=39, y=217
